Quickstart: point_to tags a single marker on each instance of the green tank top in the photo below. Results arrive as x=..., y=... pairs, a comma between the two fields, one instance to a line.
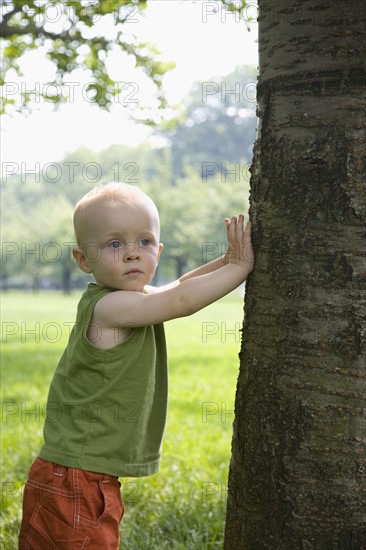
x=106, y=409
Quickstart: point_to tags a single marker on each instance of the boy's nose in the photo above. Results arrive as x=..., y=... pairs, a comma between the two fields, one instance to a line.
x=131, y=252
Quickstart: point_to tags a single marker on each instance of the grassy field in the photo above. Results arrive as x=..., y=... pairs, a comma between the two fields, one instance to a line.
x=182, y=507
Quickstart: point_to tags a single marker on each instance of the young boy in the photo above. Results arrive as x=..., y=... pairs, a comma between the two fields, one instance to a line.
x=107, y=402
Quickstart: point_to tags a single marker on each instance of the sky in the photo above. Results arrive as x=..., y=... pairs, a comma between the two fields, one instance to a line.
x=201, y=37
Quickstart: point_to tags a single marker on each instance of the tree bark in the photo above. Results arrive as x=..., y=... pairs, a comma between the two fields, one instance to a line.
x=298, y=469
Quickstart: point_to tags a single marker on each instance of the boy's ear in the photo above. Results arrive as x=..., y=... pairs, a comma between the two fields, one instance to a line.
x=81, y=259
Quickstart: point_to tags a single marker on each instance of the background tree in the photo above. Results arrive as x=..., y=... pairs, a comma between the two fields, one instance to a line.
x=192, y=215
x=192, y=186
x=192, y=211
x=298, y=468
x=73, y=36
x=218, y=124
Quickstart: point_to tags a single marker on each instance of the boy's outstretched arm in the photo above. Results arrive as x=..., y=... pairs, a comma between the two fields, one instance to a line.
x=214, y=264
x=126, y=308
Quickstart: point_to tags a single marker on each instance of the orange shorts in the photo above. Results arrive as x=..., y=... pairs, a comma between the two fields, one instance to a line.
x=70, y=509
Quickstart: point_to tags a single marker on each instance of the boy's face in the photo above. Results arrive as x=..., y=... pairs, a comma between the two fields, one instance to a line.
x=122, y=247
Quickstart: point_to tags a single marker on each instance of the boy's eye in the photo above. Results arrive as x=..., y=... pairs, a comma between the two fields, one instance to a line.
x=145, y=242
x=115, y=244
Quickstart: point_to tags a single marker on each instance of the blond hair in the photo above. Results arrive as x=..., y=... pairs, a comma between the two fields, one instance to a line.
x=110, y=193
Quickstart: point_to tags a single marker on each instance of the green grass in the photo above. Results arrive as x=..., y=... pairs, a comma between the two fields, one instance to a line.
x=182, y=507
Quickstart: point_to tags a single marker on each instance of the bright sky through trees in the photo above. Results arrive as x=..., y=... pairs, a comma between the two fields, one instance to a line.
x=204, y=40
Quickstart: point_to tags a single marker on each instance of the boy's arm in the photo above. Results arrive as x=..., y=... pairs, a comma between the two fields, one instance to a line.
x=132, y=309
x=202, y=270
x=210, y=266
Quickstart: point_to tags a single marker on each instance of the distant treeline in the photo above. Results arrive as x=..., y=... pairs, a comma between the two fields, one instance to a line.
x=198, y=176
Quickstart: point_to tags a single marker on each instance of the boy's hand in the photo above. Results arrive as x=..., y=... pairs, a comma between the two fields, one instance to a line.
x=240, y=249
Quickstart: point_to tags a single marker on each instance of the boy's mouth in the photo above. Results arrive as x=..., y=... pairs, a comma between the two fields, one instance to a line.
x=133, y=272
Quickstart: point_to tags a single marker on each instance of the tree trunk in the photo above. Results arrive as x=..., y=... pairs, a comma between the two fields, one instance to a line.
x=298, y=469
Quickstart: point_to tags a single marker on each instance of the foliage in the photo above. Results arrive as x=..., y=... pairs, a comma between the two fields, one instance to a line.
x=219, y=124
x=192, y=218
x=83, y=35
x=192, y=204
x=73, y=36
